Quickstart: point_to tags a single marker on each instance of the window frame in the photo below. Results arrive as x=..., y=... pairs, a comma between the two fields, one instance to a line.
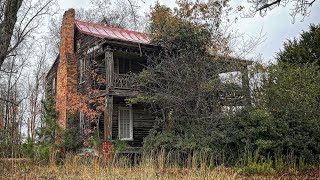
x=130, y=123
x=82, y=70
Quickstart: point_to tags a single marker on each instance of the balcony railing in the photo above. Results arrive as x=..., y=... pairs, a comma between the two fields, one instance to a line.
x=123, y=81
x=234, y=96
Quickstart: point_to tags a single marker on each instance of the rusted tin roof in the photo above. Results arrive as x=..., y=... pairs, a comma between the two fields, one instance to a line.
x=112, y=33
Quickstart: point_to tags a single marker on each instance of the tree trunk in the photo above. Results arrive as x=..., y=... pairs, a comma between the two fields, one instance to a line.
x=7, y=27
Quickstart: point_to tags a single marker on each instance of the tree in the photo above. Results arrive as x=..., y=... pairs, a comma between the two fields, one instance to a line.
x=35, y=92
x=305, y=50
x=290, y=96
x=262, y=6
x=12, y=97
x=182, y=83
x=18, y=20
x=285, y=118
x=49, y=126
x=9, y=10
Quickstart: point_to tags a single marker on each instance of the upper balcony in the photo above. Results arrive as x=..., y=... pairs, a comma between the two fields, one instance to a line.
x=123, y=81
x=109, y=71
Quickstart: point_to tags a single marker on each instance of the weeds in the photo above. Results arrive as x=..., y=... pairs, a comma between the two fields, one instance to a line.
x=255, y=163
x=153, y=165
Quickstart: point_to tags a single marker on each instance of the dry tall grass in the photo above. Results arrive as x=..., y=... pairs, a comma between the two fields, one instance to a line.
x=161, y=166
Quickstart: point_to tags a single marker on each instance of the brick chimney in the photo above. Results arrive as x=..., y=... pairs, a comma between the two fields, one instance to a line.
x=67, y=75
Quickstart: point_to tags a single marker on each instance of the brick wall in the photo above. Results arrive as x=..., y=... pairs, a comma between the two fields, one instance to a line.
x=67, y=75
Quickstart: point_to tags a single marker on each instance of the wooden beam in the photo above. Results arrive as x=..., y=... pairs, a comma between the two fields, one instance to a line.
x=109, y=68
x=123, y=92
x=108, y=118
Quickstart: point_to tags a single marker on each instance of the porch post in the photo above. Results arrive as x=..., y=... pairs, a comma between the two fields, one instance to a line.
x=245, y=85
x=108, y=118
x=109, y=68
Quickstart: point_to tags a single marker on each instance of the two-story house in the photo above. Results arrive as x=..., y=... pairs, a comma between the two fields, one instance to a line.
x=113, y=54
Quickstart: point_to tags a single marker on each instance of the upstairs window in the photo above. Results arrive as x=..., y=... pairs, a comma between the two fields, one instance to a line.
x=82, y=71
x=125, y=123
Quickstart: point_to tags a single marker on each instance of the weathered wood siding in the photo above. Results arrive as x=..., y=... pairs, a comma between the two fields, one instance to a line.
x=52, y=74
x=143, y=121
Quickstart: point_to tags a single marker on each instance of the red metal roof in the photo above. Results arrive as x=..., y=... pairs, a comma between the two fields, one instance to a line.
x=112, y=33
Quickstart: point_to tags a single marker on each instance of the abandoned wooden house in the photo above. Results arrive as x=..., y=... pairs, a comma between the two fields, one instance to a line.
x=116, y=54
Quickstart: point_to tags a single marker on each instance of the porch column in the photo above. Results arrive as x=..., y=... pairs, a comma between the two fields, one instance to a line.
x=109, y=68
x=246, y=85
x=108, y=118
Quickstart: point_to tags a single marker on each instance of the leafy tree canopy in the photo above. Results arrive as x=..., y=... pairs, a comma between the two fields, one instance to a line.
x=304, y=50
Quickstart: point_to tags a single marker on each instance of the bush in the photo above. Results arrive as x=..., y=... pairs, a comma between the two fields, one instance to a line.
x=286, y=120
x=36, y=152
x=260, y=129
x=253, y=163
x=292, y=97
x=71, y=139
x=218, y=137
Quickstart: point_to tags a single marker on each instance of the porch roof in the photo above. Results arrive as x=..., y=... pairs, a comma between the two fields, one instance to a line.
x=112, y=33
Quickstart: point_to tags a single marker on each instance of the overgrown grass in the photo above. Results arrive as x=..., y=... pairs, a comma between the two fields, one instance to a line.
x=161, y=165
x=255, y=163
x=75, y=167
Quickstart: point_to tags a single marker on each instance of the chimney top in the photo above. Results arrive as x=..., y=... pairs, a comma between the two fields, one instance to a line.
x=71, y=10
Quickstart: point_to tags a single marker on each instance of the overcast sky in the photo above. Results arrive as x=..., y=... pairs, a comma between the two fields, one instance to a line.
x=277, y=24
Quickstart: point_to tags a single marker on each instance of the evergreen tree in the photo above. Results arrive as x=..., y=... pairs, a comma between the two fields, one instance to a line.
x=49, y=127
x=305, y=50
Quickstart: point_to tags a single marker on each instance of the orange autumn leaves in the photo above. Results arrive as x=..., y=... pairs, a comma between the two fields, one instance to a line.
x=70, y=101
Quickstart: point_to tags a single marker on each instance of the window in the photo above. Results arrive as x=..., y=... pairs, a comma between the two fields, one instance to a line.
x=125, y=123
x=82, y=70
x=54, y=85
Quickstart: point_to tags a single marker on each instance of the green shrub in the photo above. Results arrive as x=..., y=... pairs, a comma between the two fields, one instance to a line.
x=71, y=139
x=36, y=152
x=28, y=149
x=218, y=137
x=253, y=162
x=119, y=146
x=42, y=152
x=50, y=126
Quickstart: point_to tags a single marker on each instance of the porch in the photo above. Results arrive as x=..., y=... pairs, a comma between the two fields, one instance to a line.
x=129, y=124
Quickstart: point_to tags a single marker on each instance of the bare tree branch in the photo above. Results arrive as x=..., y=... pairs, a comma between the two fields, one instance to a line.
x=262, y=6
x=268, y=5
x=12, y=101
x=310, y=4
